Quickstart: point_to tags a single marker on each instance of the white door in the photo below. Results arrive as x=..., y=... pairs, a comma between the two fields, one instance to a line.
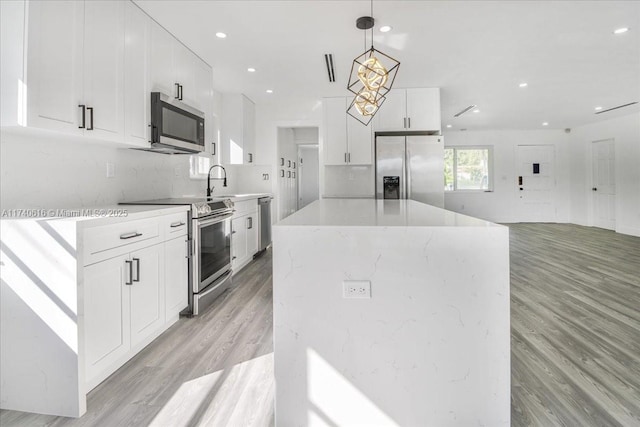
x=309, y=182
x=335, y=132
x=535, y=190
x=147, y=295
x=104, y=69
x=393, y=112
x=184, y=63
x=176, y=276
x=423, y=109
x=604, y=184
x=136, y=76
x=54, y=78
x=106, y=308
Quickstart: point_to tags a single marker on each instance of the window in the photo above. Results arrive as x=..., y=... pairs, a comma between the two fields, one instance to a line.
x=468, y=169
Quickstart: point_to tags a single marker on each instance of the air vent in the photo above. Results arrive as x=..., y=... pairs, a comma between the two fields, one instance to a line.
x=470, y=107
x=328, y=58
x=615, y=108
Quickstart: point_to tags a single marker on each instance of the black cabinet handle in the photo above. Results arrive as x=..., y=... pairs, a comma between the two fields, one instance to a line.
x=250, y=158
x=137, y=261
x=130, y=235
x=90, y=118
x=180, y=92
x=345, y=157
x=177, y=91
x=349, y=157
x=83, y=115
x=594, y=189
x=213, y=148
x=404, y=122
x=250, y=223
x=130, y=281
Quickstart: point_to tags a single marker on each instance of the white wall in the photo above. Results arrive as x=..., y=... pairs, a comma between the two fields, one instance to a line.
x=309, y=182
x=500, y=205
x=42, y=171
x=625, y=131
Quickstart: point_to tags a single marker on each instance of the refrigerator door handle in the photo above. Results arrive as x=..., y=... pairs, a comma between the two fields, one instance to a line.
x=408, y=169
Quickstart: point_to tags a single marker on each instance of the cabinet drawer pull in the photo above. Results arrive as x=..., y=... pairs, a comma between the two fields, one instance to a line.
x=83, y=116
x=177, y=91
x=130, y=235
x=90, y=109
x=249, y=223
x=404, y=122
x=409, y=120
x=130, y=280
x=137, y=261
x=177, y=224
x=349, y=157
x=180, y=96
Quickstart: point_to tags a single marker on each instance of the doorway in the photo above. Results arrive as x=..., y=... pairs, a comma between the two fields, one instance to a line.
x=309, y=178
x=603, y=186
x=535, y=190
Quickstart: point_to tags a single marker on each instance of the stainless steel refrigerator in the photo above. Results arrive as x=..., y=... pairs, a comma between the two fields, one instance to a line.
x=410, y=167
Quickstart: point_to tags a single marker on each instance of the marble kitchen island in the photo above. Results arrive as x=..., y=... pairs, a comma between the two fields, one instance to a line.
x=429, y=345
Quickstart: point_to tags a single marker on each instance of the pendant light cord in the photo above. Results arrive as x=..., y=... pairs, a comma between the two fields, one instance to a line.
x=371, y=26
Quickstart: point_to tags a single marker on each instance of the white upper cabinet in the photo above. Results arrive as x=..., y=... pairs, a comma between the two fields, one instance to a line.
x=346, y=141
x=104, y=69
x=88, y=67
x=54, y=83
x=137, y=87
x=238, y=129
x=416, y=109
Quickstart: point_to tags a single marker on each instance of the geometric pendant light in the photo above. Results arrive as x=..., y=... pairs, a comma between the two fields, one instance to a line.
x=371, y=78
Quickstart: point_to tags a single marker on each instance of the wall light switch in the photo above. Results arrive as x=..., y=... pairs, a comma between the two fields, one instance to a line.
x=111, y=170
x=356, y=289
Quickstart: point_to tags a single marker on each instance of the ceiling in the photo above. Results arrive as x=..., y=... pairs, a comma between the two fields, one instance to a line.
x=477, y=52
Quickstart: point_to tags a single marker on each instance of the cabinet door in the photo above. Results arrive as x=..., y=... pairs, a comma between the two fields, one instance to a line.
x=248, y=130
x=238, y=240
x=392, y=113
x=423, y=109
x=147, y=296
x=335, y=131
x=54, y=78
x=104, y=68
x=161, y=71
x=359, y=142
x=136, y=76
x=203, y=88
x=176, y=276
x=184, y=64
x=106, y=313
x=252, y=233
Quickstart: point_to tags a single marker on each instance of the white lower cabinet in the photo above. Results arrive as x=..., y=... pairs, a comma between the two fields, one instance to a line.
x=176, y=264
x=137, y=293
x=244, y=232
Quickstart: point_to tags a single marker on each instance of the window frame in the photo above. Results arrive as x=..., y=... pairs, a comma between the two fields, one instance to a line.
x=490, y=168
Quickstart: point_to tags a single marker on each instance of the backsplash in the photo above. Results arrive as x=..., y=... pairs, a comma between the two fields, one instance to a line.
x=348, y=181
x=37, y=172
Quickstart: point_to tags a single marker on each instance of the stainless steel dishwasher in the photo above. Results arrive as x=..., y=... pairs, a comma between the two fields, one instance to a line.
x=264, y=204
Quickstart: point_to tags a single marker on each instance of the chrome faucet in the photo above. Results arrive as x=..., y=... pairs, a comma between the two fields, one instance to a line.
x=224, y=183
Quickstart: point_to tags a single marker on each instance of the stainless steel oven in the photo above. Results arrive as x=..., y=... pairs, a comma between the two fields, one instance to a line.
x=211, y=258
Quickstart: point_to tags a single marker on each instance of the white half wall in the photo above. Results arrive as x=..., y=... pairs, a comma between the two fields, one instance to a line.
x=625, y=131
x=500, y=205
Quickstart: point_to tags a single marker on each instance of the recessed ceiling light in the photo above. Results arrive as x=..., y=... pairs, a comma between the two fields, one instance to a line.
x=523, y=84
x=598, y=108
x=385, y=29
x=545, y=124
x=477, y=110
x=269, y=91
x=448, y=126
x=221, y=35
x=251, y=70
x=621, y=30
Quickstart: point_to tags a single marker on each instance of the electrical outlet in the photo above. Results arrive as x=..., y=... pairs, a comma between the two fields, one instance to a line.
x=356, y=289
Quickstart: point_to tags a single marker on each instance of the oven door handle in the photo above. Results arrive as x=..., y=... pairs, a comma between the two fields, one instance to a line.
x=206, y=222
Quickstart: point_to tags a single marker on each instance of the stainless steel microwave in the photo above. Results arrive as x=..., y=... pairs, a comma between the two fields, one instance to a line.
x=175, y=127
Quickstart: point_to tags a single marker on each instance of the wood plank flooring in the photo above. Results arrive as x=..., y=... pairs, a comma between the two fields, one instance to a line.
x=575, y=347
x=575, y=326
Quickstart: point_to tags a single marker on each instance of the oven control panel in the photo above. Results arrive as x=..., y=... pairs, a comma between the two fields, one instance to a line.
x=219, y=207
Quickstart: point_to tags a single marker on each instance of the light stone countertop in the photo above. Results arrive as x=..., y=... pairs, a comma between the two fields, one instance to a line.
x=378, y=213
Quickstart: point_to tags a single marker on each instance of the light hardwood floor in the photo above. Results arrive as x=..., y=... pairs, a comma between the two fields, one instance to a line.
x=575, y=346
